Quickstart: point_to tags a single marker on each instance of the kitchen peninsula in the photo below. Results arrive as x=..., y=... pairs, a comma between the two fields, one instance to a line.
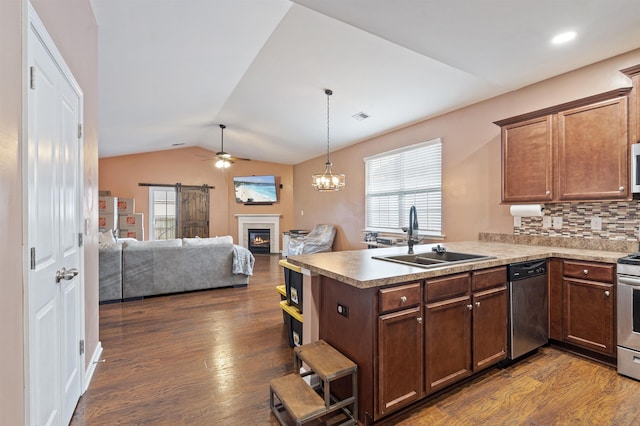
x=415, y=331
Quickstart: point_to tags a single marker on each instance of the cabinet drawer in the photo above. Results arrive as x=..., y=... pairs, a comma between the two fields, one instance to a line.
x=488, y=278
x=447, y=287
x=399, y=297
x=589, y=271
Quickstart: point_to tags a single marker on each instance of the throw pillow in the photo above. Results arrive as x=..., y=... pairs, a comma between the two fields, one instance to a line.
x=106, y=238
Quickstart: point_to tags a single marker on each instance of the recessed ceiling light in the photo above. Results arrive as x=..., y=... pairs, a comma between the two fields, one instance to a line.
x=564, y=37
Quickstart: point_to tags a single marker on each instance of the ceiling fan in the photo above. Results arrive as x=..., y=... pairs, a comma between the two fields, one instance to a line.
x=224, y=159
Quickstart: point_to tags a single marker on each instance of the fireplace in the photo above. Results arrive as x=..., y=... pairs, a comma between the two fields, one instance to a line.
x=259, y=240
x=259, y=221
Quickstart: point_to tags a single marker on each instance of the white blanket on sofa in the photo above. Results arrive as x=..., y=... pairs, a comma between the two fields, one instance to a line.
x=243, y=261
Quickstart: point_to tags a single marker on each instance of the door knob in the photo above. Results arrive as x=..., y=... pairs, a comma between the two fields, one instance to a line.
x=607, y=293
x=403, y=299
x=419, y=319
x=469, y=307
x=66, y=274
x=477, y=304
x=586, y=272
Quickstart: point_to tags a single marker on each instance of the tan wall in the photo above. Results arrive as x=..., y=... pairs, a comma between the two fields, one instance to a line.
x=121, y=175
x=74, y=30
x=471, y=169
x=11, y=303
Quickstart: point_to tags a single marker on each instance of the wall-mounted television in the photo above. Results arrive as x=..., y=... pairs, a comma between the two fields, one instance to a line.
x=255, y=189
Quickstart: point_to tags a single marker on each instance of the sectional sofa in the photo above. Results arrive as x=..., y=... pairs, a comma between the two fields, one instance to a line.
x=135, y=269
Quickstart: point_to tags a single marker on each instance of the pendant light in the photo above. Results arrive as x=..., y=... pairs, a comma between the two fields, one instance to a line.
x=327, y=180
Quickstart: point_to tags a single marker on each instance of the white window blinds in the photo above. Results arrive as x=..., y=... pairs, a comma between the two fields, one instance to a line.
x=399, y=179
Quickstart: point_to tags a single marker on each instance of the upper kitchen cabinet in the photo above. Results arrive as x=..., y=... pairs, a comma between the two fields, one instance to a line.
x=593, y=152
x=573, y=151
x=527, y=160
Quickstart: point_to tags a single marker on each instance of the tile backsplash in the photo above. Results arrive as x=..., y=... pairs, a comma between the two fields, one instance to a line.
x=620, y=221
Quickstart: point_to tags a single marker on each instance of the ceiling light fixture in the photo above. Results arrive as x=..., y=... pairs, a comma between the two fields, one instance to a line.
x=327, y=180
x=223, y=158
x=564, y=37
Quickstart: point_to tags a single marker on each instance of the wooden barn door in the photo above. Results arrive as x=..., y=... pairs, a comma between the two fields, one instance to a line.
x=193, y=211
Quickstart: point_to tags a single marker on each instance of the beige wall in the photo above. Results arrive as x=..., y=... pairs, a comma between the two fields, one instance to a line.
x=11, y=304
x=471, y=158
x=121, y=175
x=72, y=26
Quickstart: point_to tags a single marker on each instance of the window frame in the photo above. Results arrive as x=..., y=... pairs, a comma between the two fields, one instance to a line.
x=428, y=193
x=152, y=215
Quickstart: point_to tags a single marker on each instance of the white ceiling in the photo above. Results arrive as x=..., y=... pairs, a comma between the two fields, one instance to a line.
x=170, y=71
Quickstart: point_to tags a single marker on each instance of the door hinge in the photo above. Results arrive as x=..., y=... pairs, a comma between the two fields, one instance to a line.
x=79, y=131
x=82, y=347
x=80, y=239
x=32, y=78
x=33, y=258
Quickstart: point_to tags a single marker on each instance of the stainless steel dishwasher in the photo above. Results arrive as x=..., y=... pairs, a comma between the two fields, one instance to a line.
x=528, y=324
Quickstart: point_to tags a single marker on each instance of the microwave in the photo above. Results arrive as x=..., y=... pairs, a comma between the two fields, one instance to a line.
x=635, y=169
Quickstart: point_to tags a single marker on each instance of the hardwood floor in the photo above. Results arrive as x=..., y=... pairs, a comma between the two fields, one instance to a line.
x=206, y=358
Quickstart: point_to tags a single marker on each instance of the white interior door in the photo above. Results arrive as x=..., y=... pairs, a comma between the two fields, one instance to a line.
x=54, y=284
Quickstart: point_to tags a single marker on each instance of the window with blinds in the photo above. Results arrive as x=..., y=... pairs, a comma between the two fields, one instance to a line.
x=399, y=179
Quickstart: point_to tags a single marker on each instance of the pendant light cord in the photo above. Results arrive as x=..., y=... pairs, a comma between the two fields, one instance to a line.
x=328, y=92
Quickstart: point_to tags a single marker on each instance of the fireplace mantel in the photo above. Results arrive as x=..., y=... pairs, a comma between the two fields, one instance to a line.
x=268, y=221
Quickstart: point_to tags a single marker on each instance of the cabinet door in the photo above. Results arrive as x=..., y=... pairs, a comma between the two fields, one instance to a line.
x=588, y=314
x=527, y=161
x=593, y=151
x=447, y=342
x=489, y=327
x=399, y=359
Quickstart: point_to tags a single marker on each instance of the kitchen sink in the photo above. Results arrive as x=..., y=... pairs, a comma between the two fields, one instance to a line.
x=433, y=259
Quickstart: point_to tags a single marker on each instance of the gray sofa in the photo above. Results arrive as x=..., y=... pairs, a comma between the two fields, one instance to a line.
x=148, y=268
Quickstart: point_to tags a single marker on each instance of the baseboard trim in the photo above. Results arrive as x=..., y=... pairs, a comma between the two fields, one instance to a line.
x=91, y=368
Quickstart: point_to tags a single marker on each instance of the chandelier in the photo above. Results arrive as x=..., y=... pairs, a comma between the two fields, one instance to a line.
x=327, y=180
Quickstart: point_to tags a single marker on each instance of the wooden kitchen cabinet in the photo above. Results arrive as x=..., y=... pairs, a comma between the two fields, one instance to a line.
x=489, y=327
x=414, y=338
x=400, y=359
x=447, y=331
x=569, y=152
x=588, y=306
x=527, y=158
x=593, y=152
x=465, y=325
x=489, y=300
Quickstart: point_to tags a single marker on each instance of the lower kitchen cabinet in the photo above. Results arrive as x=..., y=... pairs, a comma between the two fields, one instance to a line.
x=588, y=306
x=447, y=331
x=399, y=359
x=415, y=338
x=465, y=325
x=582, y=305
x=489, y=327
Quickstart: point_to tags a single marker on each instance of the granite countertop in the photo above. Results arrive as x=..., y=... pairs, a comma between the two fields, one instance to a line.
x=357, y=268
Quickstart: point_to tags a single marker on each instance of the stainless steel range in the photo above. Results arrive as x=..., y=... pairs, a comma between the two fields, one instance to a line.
x=628, y=305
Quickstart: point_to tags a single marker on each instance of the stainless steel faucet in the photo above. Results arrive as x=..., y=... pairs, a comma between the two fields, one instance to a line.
x=413, y=225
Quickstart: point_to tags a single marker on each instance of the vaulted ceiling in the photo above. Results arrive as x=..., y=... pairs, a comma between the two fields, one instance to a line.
x=171, y=71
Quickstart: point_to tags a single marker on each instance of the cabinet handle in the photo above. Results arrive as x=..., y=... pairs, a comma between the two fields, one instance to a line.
x=469, y=307
x=621, y=188
x=403, y=299
x=607, y=293
x=477, y=304
x=586, y=272
x=419, y=319
x=548, y=192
